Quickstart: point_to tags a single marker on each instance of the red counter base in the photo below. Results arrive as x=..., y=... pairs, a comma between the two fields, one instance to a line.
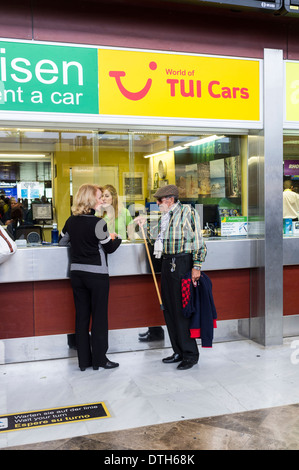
x=47, y=307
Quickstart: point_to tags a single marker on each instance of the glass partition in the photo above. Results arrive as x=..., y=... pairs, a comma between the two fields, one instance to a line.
x=210, y=170
x=211, y=174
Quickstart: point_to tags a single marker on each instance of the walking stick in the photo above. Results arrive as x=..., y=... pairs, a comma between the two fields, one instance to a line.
x=152, y=268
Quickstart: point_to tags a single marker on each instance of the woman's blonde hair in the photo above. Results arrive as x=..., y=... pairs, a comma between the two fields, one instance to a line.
x=85, y=199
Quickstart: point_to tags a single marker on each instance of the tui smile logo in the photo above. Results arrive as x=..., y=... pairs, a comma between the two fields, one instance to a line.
x=130, y=95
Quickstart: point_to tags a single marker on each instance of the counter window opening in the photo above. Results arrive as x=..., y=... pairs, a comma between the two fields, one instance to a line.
x=210, y=172
x=209, y=168
x=25, y=180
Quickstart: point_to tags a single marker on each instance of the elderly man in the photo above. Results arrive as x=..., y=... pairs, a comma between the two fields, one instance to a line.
x=180, y=244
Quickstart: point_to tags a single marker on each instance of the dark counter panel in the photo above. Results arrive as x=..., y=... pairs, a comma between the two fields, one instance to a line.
x=46, y=307
x=291, y=290
x=17, y=310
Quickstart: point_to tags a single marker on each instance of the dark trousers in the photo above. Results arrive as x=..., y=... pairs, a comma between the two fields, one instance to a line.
x=177, y=324
x=91, y=302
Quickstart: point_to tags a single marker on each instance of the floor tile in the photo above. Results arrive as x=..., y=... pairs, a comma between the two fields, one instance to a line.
x=239, y=396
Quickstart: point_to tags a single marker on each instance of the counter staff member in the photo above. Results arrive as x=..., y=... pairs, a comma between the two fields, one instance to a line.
x=118, y=218
x=180, y=244
x=290, y=201
x=89, y=243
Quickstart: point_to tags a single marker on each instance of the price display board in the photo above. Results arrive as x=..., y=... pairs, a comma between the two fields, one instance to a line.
x=272, y=5
x=292, y=6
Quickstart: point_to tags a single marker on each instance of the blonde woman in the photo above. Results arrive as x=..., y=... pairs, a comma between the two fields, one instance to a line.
x=89, y=242
x=118, y=218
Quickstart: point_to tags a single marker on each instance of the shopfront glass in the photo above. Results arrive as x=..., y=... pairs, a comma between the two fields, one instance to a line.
x=48, y=166
x=291, y=184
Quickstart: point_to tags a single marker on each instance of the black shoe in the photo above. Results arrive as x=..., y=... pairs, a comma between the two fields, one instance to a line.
x=171, y=359
x=186, y=364
x=142, y=335
x=83, y=368
x=71, y=341
x=148, y=336
x=110, y=365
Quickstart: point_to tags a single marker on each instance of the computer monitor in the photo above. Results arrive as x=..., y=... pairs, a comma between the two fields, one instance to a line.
x=211, y=215
x=32, y=233
x=152, y=207
x=42, y=211
x=10, y=191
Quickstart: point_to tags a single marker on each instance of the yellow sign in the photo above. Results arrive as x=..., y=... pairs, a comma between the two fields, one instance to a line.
x=292, y=91
x=137, y=83
x=49, y=417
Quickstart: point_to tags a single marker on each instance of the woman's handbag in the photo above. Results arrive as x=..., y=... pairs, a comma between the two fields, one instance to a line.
x=7, y=246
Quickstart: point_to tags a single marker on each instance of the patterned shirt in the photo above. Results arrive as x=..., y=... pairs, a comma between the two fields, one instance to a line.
x=183, y=233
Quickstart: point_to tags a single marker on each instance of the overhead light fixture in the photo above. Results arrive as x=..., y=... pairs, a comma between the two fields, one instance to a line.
x=176, y=149
x=31, y=130
x=23, y=155
x=205, y=140
x=155, y=154
x=194, y=143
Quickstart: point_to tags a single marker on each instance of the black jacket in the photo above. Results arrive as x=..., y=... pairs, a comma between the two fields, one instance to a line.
x=198, y=305
x=89, y=241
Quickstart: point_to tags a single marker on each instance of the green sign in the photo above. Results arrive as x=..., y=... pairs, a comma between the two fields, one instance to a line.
x=48, y=78
x=234, y=219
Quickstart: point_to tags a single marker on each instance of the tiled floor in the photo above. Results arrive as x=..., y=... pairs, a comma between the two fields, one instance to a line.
x=240, y=396
x=267, y=429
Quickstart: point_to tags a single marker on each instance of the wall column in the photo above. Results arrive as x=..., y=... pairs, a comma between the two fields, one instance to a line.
x=266, y=319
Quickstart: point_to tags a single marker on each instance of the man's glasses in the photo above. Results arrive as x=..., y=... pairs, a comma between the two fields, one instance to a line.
x=161, y=199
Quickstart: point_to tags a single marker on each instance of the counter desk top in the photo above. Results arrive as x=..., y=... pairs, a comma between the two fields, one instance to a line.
x=48, y=262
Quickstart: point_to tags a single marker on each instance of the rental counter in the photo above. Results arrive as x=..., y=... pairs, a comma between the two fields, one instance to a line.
x=37, y=297
x=37, y=300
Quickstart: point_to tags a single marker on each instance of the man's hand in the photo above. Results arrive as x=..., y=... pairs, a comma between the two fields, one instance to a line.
x=140, y=220
x=195, y=275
